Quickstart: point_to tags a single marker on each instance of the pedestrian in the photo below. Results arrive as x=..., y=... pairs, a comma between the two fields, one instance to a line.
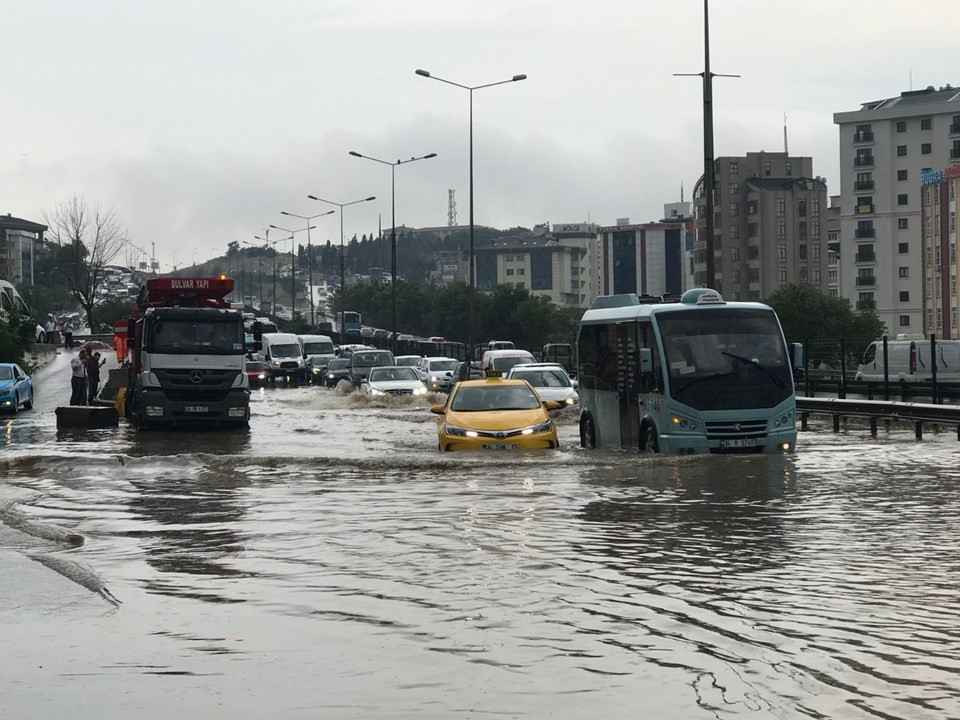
x=50, y=328
x=94, y=363
x=78, y=379
x=67, y=335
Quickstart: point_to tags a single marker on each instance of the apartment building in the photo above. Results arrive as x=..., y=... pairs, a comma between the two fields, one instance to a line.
x=769, y=225
x=560, y=263
x=885, y=148
x=938, y=229
x=18, y=237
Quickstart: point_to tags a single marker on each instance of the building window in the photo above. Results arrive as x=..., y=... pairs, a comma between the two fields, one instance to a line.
x=815, y=230
x=903, y=248
x=901, y=150
x=509, y=258
x=815, y=251
x=903, y=223
x=815, y=275
x=904, y=321
x=926, y=123
x=781, y=230
x=789, y=169
x=901, y=175
x=901, y=126
x=802, y=208
x=781, y=206
x=904, y=296
x=734, y=209
x=832, y=277
x=803, y=275
x=734, y=188
x=903, y=199
x=521, y=271
x=802, y=252
x=802, y=229
x=735, y=254
x=753, y=275
x=735, y=276
x=509, y=271
x=781, y=251
x=926, y=149
x=903, y=272
x=782, y=275
x=734, y=232
x=766, y=169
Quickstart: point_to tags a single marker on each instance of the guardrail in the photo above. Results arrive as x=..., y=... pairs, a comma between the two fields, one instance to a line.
x=877, y=410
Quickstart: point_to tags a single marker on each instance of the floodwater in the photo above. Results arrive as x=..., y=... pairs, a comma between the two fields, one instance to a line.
x=331, y=564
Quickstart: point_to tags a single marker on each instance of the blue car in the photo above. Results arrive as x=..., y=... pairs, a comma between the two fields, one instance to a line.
x=16, y=388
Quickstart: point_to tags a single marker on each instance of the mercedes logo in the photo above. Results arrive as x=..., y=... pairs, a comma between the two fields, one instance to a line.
x=196, y=377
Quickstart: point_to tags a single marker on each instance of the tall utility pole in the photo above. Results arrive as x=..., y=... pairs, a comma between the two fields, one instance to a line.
x=709, y=177
x=293, y=263
x=308, y=218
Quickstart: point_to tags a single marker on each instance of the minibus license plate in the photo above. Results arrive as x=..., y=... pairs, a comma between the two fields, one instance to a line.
x=739, y=443
x=501, y=446
x=196, y=408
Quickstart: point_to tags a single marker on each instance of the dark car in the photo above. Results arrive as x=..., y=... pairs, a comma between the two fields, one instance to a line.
x=362, y=360
x=475, y=373
x=337, y=369
x=257, y=373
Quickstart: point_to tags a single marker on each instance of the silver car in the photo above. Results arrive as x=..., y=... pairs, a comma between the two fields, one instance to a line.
x=550, y=380
x=393, y=380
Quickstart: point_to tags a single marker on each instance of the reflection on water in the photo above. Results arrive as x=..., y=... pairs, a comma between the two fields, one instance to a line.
x=370, y=576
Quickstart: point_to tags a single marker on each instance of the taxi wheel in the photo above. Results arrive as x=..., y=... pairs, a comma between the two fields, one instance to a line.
x=648, y=440
x=588, y=434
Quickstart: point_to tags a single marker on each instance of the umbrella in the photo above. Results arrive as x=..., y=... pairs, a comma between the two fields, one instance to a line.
x=96, y=345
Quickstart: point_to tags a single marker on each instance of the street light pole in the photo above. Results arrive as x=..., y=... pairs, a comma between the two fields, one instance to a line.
x=342, y=279
x=293, y=264
x=472, y=273
x=267, y=242
x=308, y=218
x=393, y=232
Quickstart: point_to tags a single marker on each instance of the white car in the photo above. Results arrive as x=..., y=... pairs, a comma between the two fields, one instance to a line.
x=437, y=372
x=550, y=380
x=393, y=380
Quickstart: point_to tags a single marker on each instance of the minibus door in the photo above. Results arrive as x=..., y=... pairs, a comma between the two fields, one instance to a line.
x=627, y=390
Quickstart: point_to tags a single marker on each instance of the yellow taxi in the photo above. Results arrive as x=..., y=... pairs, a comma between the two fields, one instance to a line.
x=495, y=414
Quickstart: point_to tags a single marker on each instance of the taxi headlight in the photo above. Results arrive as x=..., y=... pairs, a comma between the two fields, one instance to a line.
x=541, y=428
x=458, y=431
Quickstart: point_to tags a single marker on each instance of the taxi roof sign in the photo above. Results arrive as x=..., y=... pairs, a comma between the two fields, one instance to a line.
x=702, y=296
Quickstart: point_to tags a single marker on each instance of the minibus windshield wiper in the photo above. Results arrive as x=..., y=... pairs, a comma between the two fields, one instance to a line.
x=755, y=363
x=695, y=380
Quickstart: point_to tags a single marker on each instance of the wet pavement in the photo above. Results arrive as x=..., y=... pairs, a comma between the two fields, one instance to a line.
x=330, y=563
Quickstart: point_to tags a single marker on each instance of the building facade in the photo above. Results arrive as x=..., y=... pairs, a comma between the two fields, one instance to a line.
x=885, y=147
x=18, y=239
x=560, y=263
x=648, y=258
x=938, y=230
x=769, y=225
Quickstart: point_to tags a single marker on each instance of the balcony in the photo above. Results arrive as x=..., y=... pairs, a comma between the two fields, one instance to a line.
x=865, y=257
x=865, y=232
x=863, y=161
x=866, y=305
x=863, y=136
x=865, y=209
x=865, y=185
x=866, y=281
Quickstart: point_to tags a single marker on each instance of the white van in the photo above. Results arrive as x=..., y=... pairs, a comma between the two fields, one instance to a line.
x=282, y=353
x=10, y=299
x=503, y=360
x=317, y=351
x=909, y=361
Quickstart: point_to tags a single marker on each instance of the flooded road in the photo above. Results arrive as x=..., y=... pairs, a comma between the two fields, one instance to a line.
x=330, y=563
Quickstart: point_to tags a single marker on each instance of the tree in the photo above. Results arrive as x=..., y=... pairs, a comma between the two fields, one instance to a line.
x=16, y=338
x=89, y=239
x=233, y=247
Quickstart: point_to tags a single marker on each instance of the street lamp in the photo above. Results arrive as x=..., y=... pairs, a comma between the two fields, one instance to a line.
x=342, y=281
x=273, y=297
x=472, y=289
x=293, y=264
x=393, y=230
x=308, y=218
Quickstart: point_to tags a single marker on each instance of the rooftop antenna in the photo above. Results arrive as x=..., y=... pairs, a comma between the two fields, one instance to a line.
x=681, y=191
x=708, y=161
x=786, y=147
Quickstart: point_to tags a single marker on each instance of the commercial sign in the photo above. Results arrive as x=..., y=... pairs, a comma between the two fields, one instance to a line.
x=932, y=177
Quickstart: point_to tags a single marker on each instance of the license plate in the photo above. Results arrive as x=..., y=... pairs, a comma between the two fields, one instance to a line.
x=500, y=446
x=196, y=408
x=739, y=443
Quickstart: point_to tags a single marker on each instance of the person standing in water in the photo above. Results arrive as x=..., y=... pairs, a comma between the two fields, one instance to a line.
x=78, y=379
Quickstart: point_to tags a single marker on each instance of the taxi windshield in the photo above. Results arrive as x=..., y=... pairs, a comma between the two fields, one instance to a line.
x=480, y=398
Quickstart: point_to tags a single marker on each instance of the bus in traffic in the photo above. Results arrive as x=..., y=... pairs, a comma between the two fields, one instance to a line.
x=352, y=322
x=698, y=375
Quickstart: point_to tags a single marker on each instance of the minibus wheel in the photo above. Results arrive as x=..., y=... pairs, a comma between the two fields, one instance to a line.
x=588, y=433
x=648, y=439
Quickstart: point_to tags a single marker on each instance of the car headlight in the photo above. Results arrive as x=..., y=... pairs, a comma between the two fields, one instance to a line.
x=434, y=379
x=420, y=390
x=457, y=431
x=375, y=391
x=541, y=428
x=276, y=363
x=262, y=376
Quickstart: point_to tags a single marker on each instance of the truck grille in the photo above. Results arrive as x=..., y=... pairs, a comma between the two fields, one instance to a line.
x=184, y=384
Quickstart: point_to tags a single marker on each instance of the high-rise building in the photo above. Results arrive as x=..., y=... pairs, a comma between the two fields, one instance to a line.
x=18, y=238
x=885, y=147
x=938, y=230
x=769, y=225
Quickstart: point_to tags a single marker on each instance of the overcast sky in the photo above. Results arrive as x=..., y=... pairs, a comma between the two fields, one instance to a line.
x=198, y=121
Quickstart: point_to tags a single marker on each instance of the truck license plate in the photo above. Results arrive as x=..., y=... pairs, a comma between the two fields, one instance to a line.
x=739, y=443
x=500, y=446
x=196, y=408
